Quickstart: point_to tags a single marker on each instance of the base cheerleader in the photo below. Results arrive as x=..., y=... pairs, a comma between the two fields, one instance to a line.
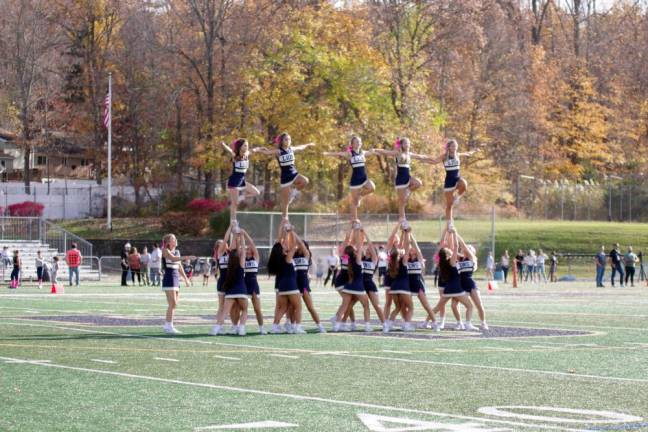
x=240, y=154
x=303, y=261
x=467, y=265
x=172, y=268
x=251, y=282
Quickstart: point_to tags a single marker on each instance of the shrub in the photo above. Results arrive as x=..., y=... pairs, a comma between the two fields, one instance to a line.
x=176, y=201
x=203, y=205
x=218, y=222
x=27, y=208
x=185, y=223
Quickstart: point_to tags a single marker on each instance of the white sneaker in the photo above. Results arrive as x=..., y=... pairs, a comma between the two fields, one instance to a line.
x=241, y=198
x=232, y=330
x=294, y=193
x=459, y=326
x=386, y=327
x=435, y=327
x=367, y=327
x=288, y=327
x=241, y=330
x=423, y=324
x=169, y=329
x=333, y=319
x=215, y=331
x=456, y=200
x=298, y=329
x=276, y=329
x=441, y=325
x=451, y=227
x=483, y=326
x=354, y=327
x=337, y=326
x=262, y=330
x=469, y=327
x=320, y=328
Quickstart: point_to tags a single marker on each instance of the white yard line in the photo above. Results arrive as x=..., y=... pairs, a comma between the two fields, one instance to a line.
x=103, y=361
x=226, y=357
x=397, y=352
x=389, y=359
x=166, y=359
x=284, y=356
x=287, y=395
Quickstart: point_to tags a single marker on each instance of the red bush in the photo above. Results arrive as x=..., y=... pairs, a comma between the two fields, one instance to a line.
x=185, y=223
x=203, y=205
x=27, y=208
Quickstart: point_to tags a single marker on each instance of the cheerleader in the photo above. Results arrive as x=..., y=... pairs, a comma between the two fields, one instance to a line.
x=171, y=260
x=466, y=266
x=354, y=288
x=405, y=183
x=341, y=279
x=221, y=256
x=370, y=259
x=360, y=185
x=251, y=284
x=393, y=243
x=303, y=262
x=240, y=154
x=282, y=266
x=453, y=181
x=438, y=309
x=285, y=154
x=449, y=276
x=234, y=285
x=400, y=289
x=415, y=270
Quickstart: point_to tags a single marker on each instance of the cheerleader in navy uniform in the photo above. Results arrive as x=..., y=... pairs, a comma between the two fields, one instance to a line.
x=221, y=256
x=354, y=288
x=405, y=183
x=240, y=154
x=281, y=264
x=369, y=262
x=303, y=261
x=415, y=271
x=392, y=247
x=341, y=279
x=467, y=265
x=171, y=265
x=291, y=180
x=400, y=289
x=234, y=285
x=360, y=185
x=251, y=283
x=449, y=276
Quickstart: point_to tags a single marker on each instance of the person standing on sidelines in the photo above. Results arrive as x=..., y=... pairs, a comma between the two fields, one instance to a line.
x=615, y=264
x=333, y=262
x=39, y=268
x=73, y=259
x=490, y=266
x=630, y=259
x=155, y=264
x=145, y=261
x=382, y=265
x=600, y=258
x=642, y=271
x=124, y=264
x=553, y=267
x=505, y=262
x=15, y=272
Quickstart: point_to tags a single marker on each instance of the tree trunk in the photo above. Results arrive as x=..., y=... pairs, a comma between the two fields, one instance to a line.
x=24, y=114
x=178, y=144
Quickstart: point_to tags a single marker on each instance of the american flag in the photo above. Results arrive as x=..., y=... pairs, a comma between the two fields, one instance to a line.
x=106, y=119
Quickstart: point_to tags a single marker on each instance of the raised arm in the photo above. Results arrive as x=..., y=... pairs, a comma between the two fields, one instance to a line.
x=384, y=152
x=240, y=238
x=426, y=158
x=265, y=151
x=226, y=240
x=302, y=147
x=341, y=155
x=453, y=246
x=371, y=248
x=406, y=245
x=250, y=244
x=290, y=245
x=392, y=237
x=301, y=246
x=414, y=243
x=468, y=153
x=227, y=149
x=281, y=231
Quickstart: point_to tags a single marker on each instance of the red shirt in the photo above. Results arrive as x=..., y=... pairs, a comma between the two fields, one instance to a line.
x=73, y=258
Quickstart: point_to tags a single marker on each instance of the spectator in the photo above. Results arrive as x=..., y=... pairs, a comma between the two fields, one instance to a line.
x=490, y=266
x=553, y=267
x=188, y=270
x=206, y=269
x=541, y=258
x=15, y=273
x=55, y=270
x=382, y=265
x=519, y=264
x=600, y=260
x=529, y=265
x=333, y=263
x=505, y=262
x=39, y=268
x=615, y=263
x=156, y=264
x=73, y=259
x=319, y=271
x=630, y=259
x=642, y=272
x=124, y=264
x=5, y=256
x=135, y=265
x=145, y=260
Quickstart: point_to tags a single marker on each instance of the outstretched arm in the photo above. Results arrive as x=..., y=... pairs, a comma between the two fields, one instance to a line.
x=341, y=155
x=241, y=248
x=371, y=248
x=427, y=159
x=406, y=245
x=265, y=151
x=302, y=147
x=419, y=254
x=469, y=153
x=383, y=152
x=301, y=246
x=250, y=244
x=392, y=237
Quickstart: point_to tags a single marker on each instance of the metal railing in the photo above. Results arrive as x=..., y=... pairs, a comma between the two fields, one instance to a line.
x=38, y=229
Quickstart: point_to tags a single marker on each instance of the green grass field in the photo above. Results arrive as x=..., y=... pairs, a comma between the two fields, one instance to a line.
x=563, y=357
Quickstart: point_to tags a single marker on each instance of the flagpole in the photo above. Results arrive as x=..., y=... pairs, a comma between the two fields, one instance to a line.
x=110, y=151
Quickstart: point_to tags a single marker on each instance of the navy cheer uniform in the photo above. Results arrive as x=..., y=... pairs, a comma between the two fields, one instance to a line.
x=223, y=262
x=251, y=270
x=400, y=284
x=343, y=275
x=403, y=172
x=368, y=270
x=355, y=286
x=238, y=288
x=237, y=179
x=452, y=286
x=286, y=161
x=287, y=280
x=171, y=278
x=359, y=172
x=302, y=264
x=451, y=165
x=415, y=275
x=466, y=268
